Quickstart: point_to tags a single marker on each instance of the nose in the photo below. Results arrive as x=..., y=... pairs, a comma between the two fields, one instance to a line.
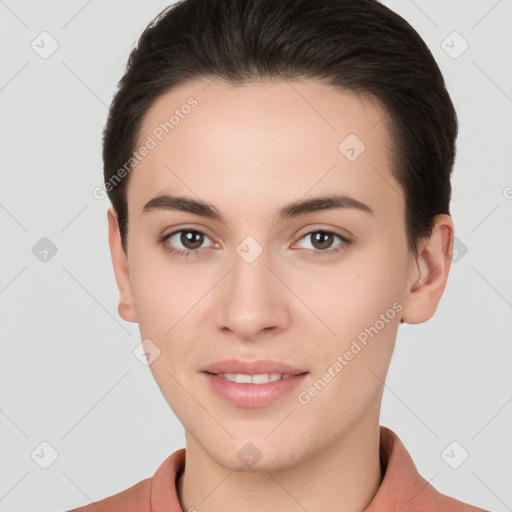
x=251, y=303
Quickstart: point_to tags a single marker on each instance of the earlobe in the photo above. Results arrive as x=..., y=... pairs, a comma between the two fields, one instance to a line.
x=126, y=306
x=432, y=268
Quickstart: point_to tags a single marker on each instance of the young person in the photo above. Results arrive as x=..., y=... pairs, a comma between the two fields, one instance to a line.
x=279, y=172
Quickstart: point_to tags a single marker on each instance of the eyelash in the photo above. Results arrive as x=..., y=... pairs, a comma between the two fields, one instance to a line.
x=345, y=242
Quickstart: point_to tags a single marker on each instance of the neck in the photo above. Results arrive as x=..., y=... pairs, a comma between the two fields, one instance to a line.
x=342, y=477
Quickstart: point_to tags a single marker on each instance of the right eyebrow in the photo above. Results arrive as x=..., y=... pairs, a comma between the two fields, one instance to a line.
x=183, y=204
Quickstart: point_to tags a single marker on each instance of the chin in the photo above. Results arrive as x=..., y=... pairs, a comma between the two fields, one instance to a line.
x=256, y=456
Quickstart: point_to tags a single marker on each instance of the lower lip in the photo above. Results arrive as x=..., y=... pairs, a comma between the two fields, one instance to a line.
x=252, y=395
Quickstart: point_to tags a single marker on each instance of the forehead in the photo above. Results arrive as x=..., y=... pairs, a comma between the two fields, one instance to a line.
x=263, y=140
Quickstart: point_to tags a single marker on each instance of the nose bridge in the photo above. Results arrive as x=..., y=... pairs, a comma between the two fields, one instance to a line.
x=251, y=300
x=249, y=267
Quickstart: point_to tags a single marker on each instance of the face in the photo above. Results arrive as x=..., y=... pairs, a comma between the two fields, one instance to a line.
x=320, y=287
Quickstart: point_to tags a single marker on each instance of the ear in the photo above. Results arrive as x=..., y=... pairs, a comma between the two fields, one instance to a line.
x=432, y=267
x=126, y=306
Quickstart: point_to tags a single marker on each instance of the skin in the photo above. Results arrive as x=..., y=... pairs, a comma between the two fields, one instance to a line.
x=249, y=151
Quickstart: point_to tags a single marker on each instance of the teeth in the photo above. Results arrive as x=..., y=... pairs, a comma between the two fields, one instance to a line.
x=263, y=378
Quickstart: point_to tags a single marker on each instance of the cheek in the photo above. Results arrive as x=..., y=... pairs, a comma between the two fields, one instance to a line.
x=167, y=300
x=163, y=293
x=357, y=308
x=351, y=365
x=351, y=296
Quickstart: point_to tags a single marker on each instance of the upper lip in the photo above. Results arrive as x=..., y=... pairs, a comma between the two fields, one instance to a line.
x=252, y=367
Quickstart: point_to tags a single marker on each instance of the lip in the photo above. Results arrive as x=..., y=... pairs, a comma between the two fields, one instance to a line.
x=252, y=395
x=252, y=367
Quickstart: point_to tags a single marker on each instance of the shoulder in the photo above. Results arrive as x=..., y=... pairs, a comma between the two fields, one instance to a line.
x=403, y=488
x=156, y=492
x=430, y=499
x=134, y=499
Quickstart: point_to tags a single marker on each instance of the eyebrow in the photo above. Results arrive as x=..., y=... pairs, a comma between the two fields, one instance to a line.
x=291, y=210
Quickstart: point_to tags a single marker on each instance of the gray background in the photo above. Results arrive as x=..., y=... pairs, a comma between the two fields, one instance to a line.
x=68, y=374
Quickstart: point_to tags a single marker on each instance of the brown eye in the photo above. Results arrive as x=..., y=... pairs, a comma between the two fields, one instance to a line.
x=322, y=240
x=191, y=239
x=185, y=241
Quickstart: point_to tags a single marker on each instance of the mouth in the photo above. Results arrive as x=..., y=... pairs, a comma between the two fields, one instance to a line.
x=260, y=378
x=253, y=390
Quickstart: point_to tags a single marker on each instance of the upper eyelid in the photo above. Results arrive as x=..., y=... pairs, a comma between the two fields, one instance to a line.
x=187, y=228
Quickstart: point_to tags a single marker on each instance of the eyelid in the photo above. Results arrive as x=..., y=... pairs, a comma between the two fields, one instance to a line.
x=345, y=241
x=201, y=231
x=187, y=227
x=342, y=233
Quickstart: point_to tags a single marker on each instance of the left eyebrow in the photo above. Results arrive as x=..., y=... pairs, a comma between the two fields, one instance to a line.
x=317, y=204
x=291, y=210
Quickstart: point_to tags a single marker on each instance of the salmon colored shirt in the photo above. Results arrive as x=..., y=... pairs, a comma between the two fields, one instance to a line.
x=402, y=488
